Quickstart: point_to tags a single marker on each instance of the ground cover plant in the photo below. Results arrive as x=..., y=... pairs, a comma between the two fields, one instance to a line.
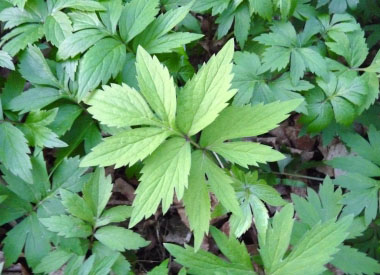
x=189, y=137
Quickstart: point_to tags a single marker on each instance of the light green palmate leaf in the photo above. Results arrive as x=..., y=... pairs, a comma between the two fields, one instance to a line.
x=157, y=86
x=351, y=46
x=166, y=170
x=120, y=106
x=197, y=200
x=67, y=226
x=207, y=93
x=36, y=130
x=99, y=64
x=79, y=42
x=14, y=151
x=255, y=84
x=201, y=262
x=57, y=27
x=136, y=16
x=310, y=254
x=97, y=191
x=155, y=38
x=31, y=59
x=246, y=153
x=340, y=98
x=6, y=60
x=120, y=239
x=221, y=185
x=237, y=122
x=126, y=148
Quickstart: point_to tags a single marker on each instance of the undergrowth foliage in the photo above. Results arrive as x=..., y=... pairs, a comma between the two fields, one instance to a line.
x=158, y=92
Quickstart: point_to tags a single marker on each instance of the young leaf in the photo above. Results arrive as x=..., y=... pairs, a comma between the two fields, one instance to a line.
x=120, y=106
x=220, y=184
x=166, y=170
x=118, y=238
x=246, y=153
x=197, y=200
x=126, y=148
x=237, y=122
x=156, y=85
x=206, y=94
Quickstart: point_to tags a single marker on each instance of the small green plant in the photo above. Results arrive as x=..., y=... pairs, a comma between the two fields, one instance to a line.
x=168, y=137
x=178, y=101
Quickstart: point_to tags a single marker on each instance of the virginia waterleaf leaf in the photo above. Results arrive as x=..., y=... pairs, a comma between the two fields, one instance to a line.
x=237, y=122
x=126, y=148
x=166, y=170
x=197, y=200
x=120, y=239
x=156, y=85
x=206, y=94
x=120, y=106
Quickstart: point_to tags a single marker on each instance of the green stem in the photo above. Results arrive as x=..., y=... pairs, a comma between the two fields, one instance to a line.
x=296, y=176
